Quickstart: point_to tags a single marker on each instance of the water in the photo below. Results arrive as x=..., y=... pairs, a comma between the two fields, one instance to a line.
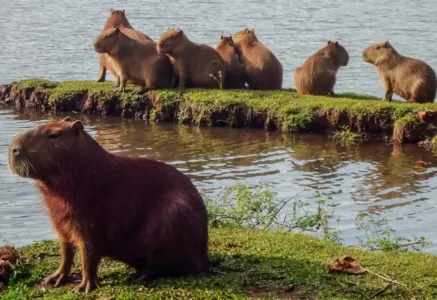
x=53, y=39
x=365, y=178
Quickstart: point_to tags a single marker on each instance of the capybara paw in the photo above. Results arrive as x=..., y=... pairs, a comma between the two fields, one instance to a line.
x=57, y=278
x=100, y=80
x=86, y=286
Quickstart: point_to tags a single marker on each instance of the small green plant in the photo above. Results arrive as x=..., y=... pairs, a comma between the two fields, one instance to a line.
x=345, y=136
x=259, y=208
x=379, y=235
x=219, y=80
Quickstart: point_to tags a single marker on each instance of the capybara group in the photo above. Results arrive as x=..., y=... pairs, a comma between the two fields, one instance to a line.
x=117, y=18
x=262, y=70
x=139, y=211
x=196, y=65
x=410, y=78
x=318, y=74
x=234, y=68
x=135, y=61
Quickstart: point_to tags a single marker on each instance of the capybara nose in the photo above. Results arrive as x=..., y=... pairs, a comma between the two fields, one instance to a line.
x=16, y=151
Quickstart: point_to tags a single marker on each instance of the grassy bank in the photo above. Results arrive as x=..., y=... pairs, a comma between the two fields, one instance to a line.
x=362, y=115
x=251, y=264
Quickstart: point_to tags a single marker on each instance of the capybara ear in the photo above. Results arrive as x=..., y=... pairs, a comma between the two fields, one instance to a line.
x=221, y=37
x=329, y=42
x=112, y=11
x=181, y=32
x=387, y=44
x=246, y=30
x=230, y=38
x=67, y=119
x=77, y=126
x=336, y=43
x=123, y=11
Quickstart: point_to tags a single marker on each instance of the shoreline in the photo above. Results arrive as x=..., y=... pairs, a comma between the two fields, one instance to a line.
x=367, y=117
x=249, y=264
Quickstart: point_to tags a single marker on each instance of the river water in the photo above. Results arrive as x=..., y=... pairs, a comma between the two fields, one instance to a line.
x=53, y=39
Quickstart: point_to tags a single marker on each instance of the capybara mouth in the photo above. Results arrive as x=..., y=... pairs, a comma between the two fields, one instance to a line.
x=98, y=49
x=20, y=167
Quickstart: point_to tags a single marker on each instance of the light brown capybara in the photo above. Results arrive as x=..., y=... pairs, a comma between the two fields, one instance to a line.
x=139, y=211
x=317, y=76
x=412, y=79
x=262, y=70
x=135, y=61
x=117, y=18
x=234, y=68
x=196, y=65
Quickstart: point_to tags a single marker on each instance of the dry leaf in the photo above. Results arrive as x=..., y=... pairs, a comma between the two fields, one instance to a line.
x=346, y=264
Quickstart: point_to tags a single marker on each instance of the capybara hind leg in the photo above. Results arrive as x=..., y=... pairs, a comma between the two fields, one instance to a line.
x=143, y=276
x=67, y=255
x=102, y=75
x=90, y=261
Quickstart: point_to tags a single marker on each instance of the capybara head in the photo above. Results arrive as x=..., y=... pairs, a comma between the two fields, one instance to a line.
x=378, y=53
x=339, y=52
x=108, y=41
x=116, y=18
x=170, y=41
x=246, y=36
x=43, y=150
x=226, y=41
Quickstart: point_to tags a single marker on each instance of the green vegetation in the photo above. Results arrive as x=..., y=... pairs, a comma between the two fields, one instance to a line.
x=345, y=137
x=252, y=263
x=363, y=115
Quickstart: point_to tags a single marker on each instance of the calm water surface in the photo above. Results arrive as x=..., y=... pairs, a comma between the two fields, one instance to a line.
x=368, y=178
x=53, y=39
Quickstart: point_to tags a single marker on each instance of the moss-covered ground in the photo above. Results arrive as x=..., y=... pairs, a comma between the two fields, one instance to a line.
x=248, y=264
x=285, y=110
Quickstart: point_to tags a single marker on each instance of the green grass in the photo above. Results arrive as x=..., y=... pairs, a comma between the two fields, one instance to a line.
x=365, y=115
x=251, y=263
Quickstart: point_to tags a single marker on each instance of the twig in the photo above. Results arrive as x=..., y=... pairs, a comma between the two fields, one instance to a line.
x=382, y=290
x=385, y=278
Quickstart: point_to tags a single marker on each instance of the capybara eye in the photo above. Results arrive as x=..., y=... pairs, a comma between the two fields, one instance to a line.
x=54, y=135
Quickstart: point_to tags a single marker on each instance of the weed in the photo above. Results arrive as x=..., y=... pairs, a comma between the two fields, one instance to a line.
x=345, y=136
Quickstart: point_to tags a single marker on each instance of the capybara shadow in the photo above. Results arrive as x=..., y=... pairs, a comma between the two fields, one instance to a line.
x=412, y=79
x=234, y=68
x=262, y=70
x=117, y=18
x=135, y=61
x=317, y=76
x=196, y=65
x=142, y=212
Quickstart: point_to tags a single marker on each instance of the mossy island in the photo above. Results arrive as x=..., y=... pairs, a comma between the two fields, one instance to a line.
x=366, y=116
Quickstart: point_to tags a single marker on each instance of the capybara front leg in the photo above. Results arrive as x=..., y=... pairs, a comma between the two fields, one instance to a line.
x=388, y=96
x=102, y=74
x=116, y=83
x=141, y=90
x=67, y=255
x=122, y=85
x=90, y=261
x=182, y=78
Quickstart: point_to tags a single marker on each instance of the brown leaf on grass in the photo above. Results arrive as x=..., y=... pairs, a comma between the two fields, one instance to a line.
x=346, y=264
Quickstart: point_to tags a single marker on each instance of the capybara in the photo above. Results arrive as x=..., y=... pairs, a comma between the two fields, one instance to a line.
x=234, y=68
x=135, y=61
x=410, y=78
x=196, y=65
x=318, y=74
x=139, y=211
x=117, y=18
x=262, y=70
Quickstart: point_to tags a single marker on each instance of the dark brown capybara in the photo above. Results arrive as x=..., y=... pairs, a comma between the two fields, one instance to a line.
x=262, y=70
x=139, y=211
x=317, y=76
x=135, y=61
x=196, y=65
x=117, y=18
x=412, y=79
x=234, y=68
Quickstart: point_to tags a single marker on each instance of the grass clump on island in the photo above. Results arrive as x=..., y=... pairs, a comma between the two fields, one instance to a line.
x=363, y=115
x=249, y=263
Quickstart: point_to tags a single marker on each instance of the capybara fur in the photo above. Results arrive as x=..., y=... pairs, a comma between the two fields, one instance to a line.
x=196, y=65
x=318, y=74
x=135, y=61
x=412, y=79
x=139, y=211
x=117, y=18
x=234, y=68
x=262, y=70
